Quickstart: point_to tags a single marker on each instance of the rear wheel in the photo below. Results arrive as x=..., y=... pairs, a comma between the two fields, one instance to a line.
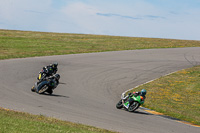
x=119, y=105
x=133, y=106
x=50, y=91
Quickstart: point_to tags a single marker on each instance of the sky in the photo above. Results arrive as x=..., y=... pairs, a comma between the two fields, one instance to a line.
x=173, y=19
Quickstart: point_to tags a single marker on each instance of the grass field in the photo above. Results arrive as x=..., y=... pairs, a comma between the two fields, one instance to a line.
x=18, y=122
x=171, y=93
x=20, y=44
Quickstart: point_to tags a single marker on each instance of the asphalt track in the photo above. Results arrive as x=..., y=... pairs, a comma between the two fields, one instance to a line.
x=91, y=85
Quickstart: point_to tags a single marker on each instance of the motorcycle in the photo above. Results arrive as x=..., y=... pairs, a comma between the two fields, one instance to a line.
x=123, y=103
x=46, y=85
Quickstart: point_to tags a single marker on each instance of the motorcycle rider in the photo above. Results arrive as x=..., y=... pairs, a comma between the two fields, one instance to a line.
x=54, y=81
x=130, y=95
x=48, y=73
x=48, y=70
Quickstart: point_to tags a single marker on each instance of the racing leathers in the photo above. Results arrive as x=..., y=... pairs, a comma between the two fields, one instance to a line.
x=47, y=71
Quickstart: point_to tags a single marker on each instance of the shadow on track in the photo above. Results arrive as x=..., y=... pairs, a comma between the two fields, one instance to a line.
x=55, y=95
x=143, y=113
x=62, y=83
x=139, y=112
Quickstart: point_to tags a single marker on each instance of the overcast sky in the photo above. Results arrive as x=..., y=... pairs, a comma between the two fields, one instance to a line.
x=176, y=19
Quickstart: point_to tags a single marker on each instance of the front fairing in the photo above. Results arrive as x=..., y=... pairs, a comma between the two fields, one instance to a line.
x=36, y=85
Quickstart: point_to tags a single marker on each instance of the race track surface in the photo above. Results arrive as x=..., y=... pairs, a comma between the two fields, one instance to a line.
x=91, y=85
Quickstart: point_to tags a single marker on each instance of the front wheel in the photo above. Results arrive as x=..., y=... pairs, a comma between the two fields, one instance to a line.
x=119, y=105
x=133, y=106
x=33, y=89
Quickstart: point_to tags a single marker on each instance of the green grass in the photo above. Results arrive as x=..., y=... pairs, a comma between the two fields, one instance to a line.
x=176, y=95
x=18, y=122
x=20, y=44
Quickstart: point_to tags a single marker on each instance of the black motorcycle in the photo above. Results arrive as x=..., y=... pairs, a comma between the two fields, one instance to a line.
x=46, y=85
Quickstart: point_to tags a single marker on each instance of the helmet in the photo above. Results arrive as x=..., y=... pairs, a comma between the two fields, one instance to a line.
x=57, y=76
x=54, y=65
x=143, y=92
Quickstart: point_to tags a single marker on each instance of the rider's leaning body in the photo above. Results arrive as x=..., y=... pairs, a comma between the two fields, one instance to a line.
x=48, y=71
x=54, y=80
x=49, y=74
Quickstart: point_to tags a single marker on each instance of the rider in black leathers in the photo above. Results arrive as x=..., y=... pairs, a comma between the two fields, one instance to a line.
x=48, y=71
x=49, y=75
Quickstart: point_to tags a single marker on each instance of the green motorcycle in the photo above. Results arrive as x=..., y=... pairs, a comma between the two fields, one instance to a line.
x=131, y=107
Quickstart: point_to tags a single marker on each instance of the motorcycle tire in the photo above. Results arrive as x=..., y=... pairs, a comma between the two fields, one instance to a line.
x=119, y=105
x=50, y=91
x=133, y=106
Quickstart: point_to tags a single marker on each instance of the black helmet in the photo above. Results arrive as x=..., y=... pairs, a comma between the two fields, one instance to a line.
x=57, y=76
x=143, y=92
x=54, y=65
